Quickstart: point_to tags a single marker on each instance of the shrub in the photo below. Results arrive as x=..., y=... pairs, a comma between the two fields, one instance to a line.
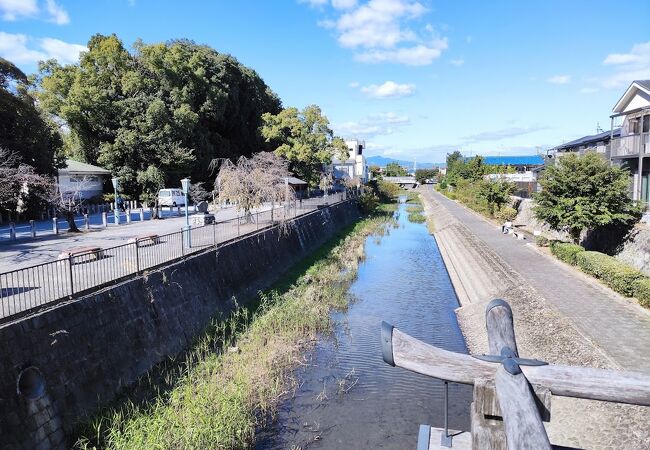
x=506, y=213
x=416, y=217
x=565, y=251
x=617, y=275
x=542, y=241
x=642, y=291
x=368, y=202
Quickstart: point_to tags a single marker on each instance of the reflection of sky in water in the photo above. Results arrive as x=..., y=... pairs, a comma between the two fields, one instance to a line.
x=349, y=398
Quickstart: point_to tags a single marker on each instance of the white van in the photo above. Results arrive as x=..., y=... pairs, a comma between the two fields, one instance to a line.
x=171, y=197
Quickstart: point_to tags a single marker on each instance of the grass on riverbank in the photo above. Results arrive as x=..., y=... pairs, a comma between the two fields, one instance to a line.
x=229, y=384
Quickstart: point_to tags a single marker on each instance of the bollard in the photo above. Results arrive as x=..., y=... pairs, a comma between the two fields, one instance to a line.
x=12, y=231
x=32, y=228
x=104, y=220
x=128, y=216
x=86, y=222
x=55, y=225
x=141, y=214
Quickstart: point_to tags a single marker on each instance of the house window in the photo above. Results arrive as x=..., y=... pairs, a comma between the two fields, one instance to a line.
x=633, y=126
x=83, y=179
x=646, y=123
x=360, y=149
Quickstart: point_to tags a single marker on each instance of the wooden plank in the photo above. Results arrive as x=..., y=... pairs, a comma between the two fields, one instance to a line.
x=567, y=381
x=485, y=396
x=500, y=327
x=521, y=419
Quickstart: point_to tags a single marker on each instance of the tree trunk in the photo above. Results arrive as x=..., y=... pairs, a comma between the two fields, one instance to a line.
x=72, y=226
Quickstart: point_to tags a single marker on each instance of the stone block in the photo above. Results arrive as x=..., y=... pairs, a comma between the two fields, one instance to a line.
x=200, y=220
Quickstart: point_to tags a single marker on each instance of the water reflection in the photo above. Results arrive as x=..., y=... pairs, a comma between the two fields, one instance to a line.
x=348, y=397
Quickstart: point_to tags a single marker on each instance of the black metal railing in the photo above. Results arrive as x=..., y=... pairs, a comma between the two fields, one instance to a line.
x=25, y=290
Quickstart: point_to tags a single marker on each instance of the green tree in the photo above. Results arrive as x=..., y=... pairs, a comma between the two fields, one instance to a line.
x=422, y=175
x=305, y=139
x=375, y=170
x=584, y=193
x=393, y=169
x=23, y=130
x=496, y=193
x=175, y=106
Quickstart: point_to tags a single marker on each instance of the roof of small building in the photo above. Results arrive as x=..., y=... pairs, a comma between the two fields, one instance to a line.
x=295, y=181
x=524, y=160
x=591, y=139
x=644, y=83
x=73, y=166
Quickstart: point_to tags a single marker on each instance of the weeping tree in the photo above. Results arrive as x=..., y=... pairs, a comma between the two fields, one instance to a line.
x=251, y=182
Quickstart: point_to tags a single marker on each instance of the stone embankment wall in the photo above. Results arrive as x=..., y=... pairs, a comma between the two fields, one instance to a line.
x=64, y=363
x=631, y=246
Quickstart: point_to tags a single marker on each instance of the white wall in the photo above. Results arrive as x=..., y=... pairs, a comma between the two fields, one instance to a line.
x=87, y=185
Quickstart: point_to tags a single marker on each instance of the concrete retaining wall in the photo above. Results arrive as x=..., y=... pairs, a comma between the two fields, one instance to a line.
x=87, y=350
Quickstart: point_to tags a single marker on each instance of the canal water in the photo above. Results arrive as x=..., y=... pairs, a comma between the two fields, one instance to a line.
x=348, y=398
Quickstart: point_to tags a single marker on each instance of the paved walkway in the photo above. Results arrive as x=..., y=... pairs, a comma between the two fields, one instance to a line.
x=617, y=325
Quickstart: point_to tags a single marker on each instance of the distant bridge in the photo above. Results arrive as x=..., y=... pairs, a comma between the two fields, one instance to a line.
x=402, y=181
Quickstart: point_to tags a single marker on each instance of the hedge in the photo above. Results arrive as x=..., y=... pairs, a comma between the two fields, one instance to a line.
x=617, y=275
x=642, y=291
x=565, y=251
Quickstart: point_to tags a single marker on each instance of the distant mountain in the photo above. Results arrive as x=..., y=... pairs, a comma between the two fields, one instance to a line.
x=382, y=161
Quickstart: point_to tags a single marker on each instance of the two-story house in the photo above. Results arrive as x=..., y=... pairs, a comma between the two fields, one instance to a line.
x=631, y=149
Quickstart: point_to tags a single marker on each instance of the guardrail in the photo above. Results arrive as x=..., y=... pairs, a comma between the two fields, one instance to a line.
x=26, y=290
x=512, y=395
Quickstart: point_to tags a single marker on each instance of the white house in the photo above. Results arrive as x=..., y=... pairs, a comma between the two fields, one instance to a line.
x=631, y=149
x=82, y=179
x=355, y=165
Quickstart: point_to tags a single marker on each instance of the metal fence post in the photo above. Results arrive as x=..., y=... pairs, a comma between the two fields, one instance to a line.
x=137, y=257
x=182, y=242
x=32, y=228
x=55, y=226
x=12, y=231
x=70, y=260
x=238, y=220
x=214, y=233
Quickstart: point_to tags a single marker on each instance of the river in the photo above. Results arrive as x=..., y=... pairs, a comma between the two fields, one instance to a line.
x=348, y=398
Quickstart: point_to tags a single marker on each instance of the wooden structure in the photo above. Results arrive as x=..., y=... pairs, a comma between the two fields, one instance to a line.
x=512, y=395
x=79, y=255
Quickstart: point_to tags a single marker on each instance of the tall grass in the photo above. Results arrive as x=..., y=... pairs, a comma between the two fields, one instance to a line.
x=231, y=381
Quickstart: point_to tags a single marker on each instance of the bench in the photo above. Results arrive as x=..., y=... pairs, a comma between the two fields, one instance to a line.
x=145, y=240
x=82, y=254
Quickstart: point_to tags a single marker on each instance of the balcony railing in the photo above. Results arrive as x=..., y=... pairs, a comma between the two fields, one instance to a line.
x=630, y=145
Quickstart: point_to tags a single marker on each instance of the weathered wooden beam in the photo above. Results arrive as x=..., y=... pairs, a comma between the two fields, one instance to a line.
x=521, y=418
x=500, y=327
x=567, y=381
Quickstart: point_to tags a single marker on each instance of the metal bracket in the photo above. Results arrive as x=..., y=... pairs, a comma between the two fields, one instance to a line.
x=510, y=362
x=387, y=343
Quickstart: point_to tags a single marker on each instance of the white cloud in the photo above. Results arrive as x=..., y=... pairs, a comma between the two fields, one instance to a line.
x=384, y=123
x=378, y=31
x=14, y=9
x=57, y=14
x=559, y=79
x=588, y=90
x=22, y=49
x=19, y=9
x=388, y=89
x=419, y=55
x=631, y=66
x=344, y=4
x=457, y=62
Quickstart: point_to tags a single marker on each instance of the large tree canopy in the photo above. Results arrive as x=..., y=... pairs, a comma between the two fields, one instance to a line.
x=173, y=106
x=305, y=139
x=583, y=193
x=24, y=133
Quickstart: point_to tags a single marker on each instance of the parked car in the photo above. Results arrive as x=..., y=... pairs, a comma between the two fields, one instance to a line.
x=171, y=197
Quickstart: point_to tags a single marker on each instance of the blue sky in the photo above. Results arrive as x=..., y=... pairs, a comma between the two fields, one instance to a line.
x=415, y=79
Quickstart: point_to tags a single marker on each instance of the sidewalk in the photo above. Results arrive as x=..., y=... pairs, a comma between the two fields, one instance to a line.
x=619, y=326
